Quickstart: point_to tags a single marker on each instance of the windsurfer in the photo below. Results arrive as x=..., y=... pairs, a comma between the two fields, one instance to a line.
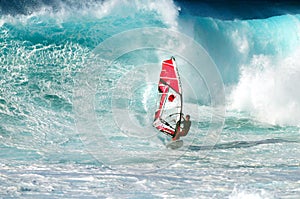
x=186, y=127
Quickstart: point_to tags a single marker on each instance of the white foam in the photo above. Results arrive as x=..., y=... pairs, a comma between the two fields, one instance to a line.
x=166, y=9
x=239, y=193
x=240, y=41
x=268, y=89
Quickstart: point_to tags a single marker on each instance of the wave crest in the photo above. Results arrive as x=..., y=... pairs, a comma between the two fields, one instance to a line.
x=164, y=10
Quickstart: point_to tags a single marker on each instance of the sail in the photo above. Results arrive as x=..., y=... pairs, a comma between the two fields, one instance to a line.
x=169, y=106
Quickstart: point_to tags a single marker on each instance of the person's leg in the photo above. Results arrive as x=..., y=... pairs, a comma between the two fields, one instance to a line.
x=177, y=136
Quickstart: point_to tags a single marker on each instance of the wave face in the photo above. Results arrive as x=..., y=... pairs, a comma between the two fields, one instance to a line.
x=41, y=52
x=256, y=57
x=45, y=45
x=256, y=52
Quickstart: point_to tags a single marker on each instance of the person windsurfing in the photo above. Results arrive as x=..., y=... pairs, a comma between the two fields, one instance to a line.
x=186, y=127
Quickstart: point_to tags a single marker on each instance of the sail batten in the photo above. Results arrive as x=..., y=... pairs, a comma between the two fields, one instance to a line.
x=169, y=106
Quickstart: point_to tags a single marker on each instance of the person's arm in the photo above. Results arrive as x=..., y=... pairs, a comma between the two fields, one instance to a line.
x=182, y=116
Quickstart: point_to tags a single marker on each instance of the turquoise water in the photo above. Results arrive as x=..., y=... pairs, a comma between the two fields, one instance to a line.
x=52, y=69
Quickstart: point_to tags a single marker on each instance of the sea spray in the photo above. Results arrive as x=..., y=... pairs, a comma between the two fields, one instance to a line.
x=268, y=89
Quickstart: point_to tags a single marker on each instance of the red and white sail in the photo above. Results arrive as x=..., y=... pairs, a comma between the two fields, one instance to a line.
x=169, y=107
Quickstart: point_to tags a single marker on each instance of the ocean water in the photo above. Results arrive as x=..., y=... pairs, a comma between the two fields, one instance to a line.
x=78, y=96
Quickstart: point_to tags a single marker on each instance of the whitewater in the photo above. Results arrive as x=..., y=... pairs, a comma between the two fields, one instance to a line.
x=79, y=88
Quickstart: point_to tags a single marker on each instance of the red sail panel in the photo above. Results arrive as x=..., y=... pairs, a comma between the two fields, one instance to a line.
x=169, y=98
x=169, y=75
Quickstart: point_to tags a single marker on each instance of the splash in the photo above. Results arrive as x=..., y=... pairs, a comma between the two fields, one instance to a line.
x=268, y=89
